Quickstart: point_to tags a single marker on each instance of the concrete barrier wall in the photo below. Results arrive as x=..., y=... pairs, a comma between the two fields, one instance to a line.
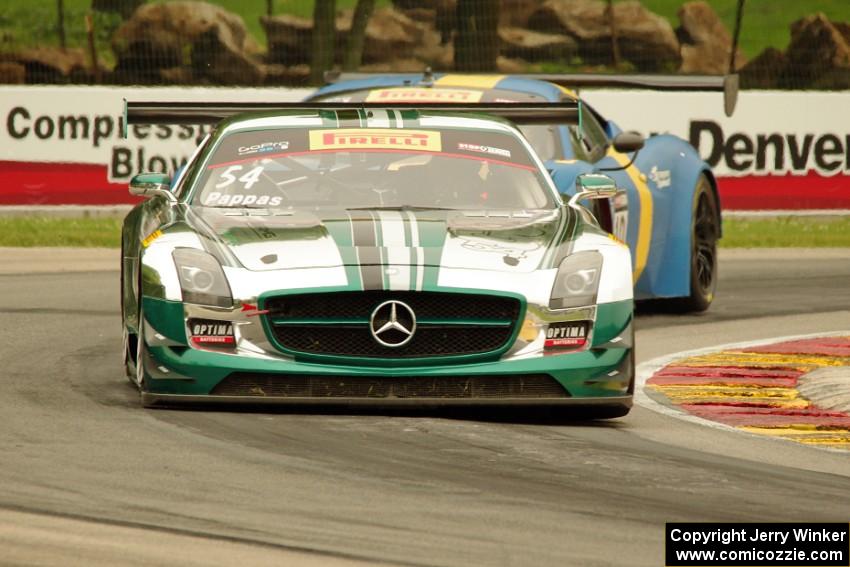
x=781, y=150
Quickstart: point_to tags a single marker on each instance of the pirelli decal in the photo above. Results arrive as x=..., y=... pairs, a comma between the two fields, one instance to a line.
x=424, y=95
x=375, y=138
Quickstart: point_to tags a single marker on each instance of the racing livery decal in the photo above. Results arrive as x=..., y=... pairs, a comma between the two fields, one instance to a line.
x=211, y=333
x=661, y=177
x=566, y=335
x=424, y=95
x=263, y=148
x=148, y=240
x=484, y=149
x=375, y=138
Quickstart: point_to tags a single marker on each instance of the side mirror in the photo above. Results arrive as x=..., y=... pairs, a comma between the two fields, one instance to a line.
x=627, y=142
x=593, y=186
x=151, y=185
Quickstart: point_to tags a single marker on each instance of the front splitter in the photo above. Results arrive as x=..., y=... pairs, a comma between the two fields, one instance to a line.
x=150, y=399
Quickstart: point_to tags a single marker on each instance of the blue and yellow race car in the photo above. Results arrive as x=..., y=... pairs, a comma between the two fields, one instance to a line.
x=667, y=209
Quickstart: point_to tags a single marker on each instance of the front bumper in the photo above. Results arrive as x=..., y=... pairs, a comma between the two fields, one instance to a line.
x=177, y=373
x=592, y=377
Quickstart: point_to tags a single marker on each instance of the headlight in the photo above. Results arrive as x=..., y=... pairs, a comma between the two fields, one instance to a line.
x=577, y=281
x=201, y=278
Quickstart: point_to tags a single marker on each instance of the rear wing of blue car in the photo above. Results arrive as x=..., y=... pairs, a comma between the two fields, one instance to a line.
x=564, y=112
x=567, y=112
x=727, y=84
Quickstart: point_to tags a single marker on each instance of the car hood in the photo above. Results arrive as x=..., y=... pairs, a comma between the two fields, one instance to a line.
x=261, y=240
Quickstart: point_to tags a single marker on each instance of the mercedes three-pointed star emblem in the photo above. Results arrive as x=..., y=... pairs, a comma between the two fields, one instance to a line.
x=393, y=323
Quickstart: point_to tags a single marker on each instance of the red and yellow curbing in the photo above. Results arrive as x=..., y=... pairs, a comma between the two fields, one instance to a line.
x=755, y=389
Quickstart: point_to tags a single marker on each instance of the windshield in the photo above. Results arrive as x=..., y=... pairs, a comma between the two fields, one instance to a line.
x=297, y=168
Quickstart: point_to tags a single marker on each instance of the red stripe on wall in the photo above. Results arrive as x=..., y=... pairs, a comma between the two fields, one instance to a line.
x=789, y=192
x=26, y=183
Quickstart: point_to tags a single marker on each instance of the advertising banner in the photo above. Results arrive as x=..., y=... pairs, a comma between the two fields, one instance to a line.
x=64, y=145
x=780, y=150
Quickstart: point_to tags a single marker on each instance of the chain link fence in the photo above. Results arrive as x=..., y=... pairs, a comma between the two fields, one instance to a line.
x=788, y=44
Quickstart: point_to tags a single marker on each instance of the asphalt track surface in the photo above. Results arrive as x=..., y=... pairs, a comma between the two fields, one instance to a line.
x=90, y=478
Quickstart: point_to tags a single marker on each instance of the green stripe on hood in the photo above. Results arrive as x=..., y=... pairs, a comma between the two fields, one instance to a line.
x=341, y=233
x=432, y=238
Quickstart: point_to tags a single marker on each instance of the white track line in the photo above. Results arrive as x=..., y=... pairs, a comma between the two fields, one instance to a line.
x=646, y=370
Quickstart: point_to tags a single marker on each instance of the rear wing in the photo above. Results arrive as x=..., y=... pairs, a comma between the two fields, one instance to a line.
x=727, y=84
x=567, y=112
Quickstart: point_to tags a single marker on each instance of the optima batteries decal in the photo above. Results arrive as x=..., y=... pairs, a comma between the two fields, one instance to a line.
x=209, y=332
x=570, y=335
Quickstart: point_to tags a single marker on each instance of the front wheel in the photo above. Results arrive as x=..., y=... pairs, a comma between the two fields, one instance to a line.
x=141, y=351
x=705, y=231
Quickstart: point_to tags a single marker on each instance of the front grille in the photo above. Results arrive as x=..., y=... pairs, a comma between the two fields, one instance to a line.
x=447, y=324
x=426, y=304
x=376, y=387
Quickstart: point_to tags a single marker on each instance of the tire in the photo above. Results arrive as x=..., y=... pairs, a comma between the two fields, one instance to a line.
x=125, y=334
x=128, y=355
x=134, y=345
x=705, y=231
x=139, y=377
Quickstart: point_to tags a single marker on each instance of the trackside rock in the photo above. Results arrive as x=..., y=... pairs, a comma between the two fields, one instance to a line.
x=12, y=73
x=389, y=35
x=645, y=39
x=515, y=13
x=282, y=75
x=288, y=39
x=439, y=13
x=51, y=64
x=706, y=43
x=819, y=53
x=416, y=4
x=765, y=70
x=511, y=66
x=536, y=46
x=162, y=36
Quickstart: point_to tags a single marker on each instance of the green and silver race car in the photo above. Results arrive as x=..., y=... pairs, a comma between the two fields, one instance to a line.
x=372, y=255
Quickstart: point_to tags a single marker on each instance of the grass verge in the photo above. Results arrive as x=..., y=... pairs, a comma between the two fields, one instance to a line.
x=780, y=232
x=47, y=231
x=786, y=232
